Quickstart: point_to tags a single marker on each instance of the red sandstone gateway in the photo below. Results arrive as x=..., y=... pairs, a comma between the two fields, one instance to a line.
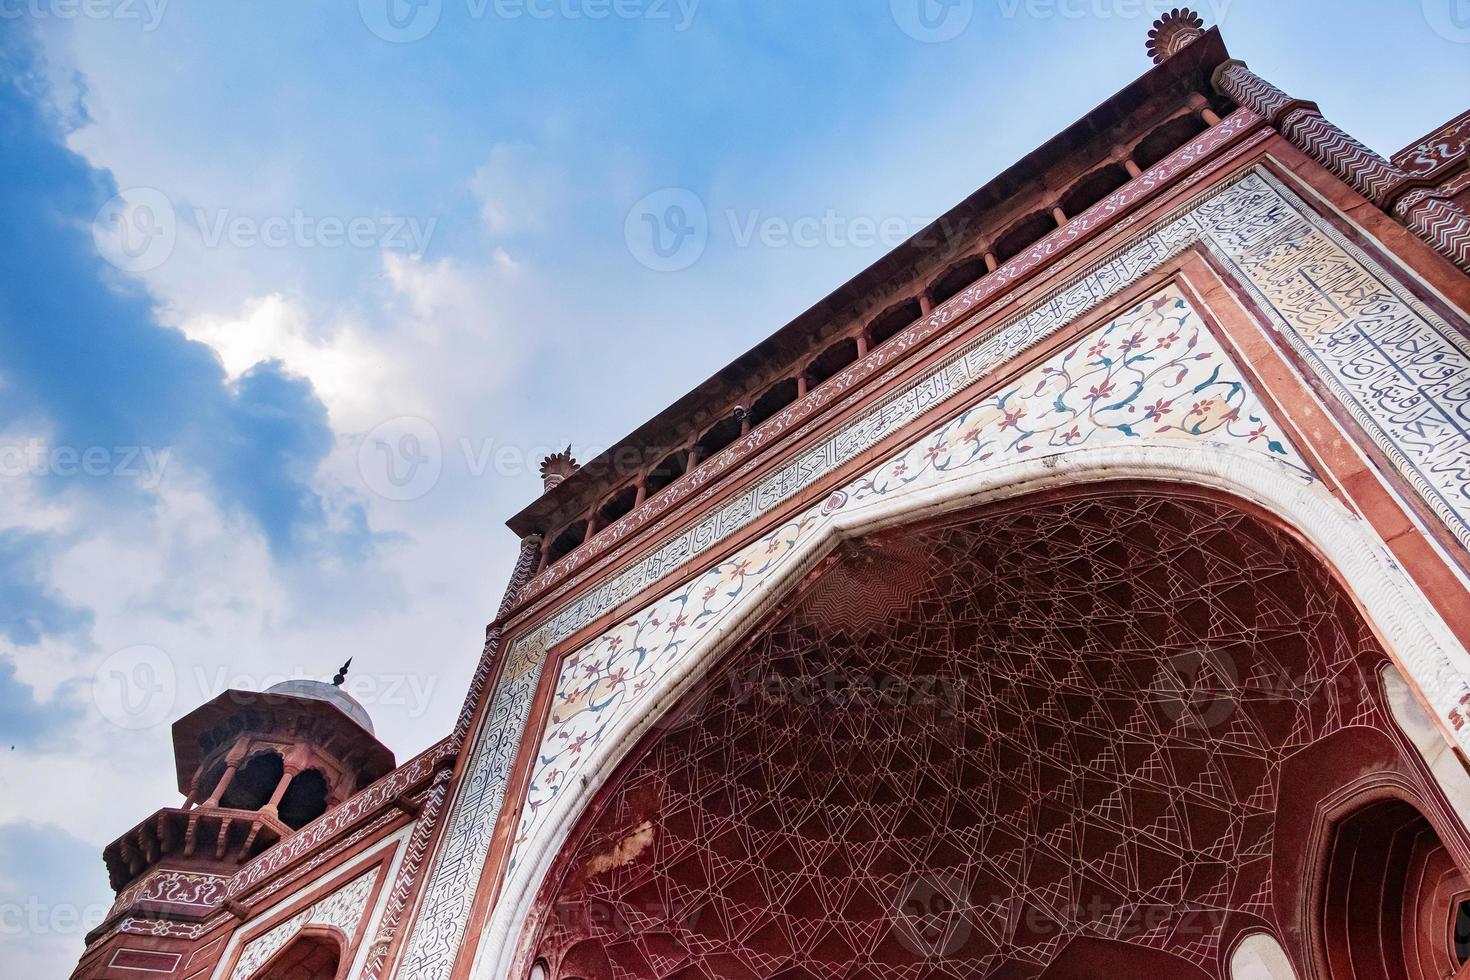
x=1079, y=592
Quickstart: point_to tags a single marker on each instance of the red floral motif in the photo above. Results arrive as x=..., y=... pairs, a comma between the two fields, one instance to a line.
x=1158, y=409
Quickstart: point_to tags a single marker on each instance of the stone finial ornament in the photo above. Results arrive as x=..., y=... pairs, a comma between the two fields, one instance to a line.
x=1172, y=32
x=556, y=468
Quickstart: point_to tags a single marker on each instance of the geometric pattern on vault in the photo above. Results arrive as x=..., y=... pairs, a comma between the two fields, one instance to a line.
x=1075, y=727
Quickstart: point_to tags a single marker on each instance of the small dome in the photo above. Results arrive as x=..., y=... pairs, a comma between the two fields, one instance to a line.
x=330, y=693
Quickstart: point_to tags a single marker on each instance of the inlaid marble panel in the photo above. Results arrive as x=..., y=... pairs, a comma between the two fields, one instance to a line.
x=344, y=909
x=1155, y=371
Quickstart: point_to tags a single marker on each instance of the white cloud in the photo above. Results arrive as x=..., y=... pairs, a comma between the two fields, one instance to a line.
x=346, y=366
x=518, y=189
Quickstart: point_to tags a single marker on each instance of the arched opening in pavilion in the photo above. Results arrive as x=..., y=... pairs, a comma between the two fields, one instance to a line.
x=305, y=799
x=1014, y=743
x=254, y=783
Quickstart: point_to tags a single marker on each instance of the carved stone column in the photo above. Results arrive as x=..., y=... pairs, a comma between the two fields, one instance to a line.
x=1302, y=123
x=522, y=573
x=1439, y=222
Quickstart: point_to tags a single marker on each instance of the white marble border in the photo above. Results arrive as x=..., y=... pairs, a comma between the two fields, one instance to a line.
x=348, y=873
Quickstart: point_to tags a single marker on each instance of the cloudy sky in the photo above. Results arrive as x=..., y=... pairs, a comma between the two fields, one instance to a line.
x=297, y=294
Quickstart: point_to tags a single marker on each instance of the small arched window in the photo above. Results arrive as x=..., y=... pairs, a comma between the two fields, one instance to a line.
x=566, y=542
x=255, y=782
x=832, y=360
x=305, y=799
x=719, y=435
x=1092, y=188
x=1167, y=138
x=1260, y=957
x=1023, y=234
x=956, y=278
x=891, y=321
x=618, y=505
x=777, y=397
x=670, y=469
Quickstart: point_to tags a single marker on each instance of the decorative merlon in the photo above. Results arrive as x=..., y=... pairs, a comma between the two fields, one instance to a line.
x=1173, y=32
x=556, y=468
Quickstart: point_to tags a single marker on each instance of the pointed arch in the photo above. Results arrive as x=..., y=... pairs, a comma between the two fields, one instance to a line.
x=840, y=610
x=315, y=953
x=1415, y=638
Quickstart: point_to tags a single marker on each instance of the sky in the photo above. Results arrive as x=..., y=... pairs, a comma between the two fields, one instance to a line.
x=297, y=295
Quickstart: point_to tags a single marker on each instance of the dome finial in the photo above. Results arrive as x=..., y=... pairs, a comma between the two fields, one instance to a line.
x=1173, y=32
x=341, y=677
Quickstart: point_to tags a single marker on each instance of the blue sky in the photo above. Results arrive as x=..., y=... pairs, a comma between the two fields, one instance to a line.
x=291, y=311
